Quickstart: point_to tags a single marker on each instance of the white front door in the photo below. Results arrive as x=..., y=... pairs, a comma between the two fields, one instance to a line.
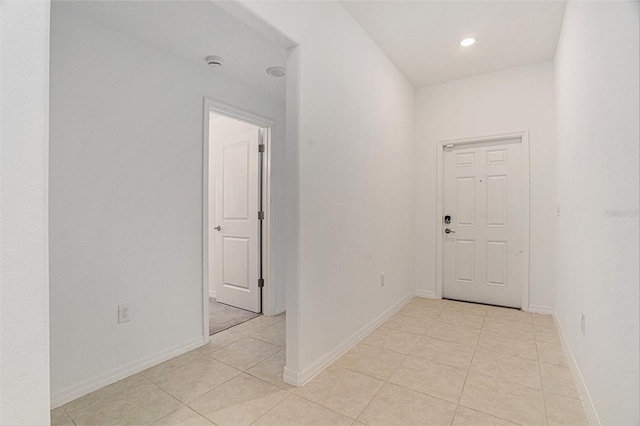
x=483, y=253
x=236, y=254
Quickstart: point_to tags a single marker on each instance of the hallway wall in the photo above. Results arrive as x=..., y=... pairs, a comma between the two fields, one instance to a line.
x=356, y=190
x=597, y=72
x=24, y=250
x=519, y=99
x=126, y=199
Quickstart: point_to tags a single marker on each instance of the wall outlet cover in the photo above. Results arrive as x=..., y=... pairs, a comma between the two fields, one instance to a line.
x=124, y=313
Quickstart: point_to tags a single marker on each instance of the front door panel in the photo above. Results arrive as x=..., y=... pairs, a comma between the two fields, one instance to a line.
x=483, y=195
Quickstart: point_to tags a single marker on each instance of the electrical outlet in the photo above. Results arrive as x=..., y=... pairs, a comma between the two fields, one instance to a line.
x=583, y=323
x=381, y=279
x=124, y=313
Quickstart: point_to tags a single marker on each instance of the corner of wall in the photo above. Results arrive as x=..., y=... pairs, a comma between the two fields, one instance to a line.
x=589, y=407
x=299, y=378
x=429, y=294
x=66, y=395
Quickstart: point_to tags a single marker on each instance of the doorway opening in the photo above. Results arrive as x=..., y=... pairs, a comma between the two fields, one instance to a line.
x=236, y=231
x=483, y=221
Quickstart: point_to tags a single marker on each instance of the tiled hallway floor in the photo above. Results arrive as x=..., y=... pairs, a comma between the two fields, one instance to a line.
x=434, y=362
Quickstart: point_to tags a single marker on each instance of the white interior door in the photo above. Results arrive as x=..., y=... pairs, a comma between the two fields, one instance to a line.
x=483, y=196
x=236, y=254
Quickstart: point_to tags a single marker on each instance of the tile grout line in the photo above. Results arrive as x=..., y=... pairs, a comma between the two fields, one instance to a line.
x=465, y=383
x=371, y=400
x=469, y=367
x=244, y=336
x=68, y=415
x=197, y=352
x=398, y=367
x=164, y=417
x=457, y=404
x=466, y=377
x=202, y=414
x=146, y=381
x=384, y=381
x=320, y=405
x=489, y=414
x=544, y=399
x=186, y=404
x=234, y=377
x=264, y=360
x=280, y=348
x=515, y=357
x=393, y=384
x=272, y=408
x=455, y=412
x=182, y=404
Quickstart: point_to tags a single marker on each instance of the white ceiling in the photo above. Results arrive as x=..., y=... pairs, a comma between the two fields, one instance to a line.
x=422, y=37
x=194, y=30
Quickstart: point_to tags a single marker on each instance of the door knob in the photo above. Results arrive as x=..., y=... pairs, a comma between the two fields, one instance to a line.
x=218, y=228
x=449, y=231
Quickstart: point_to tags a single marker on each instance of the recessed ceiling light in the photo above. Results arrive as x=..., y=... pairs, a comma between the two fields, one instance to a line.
x=276, y=72
x=467, y=42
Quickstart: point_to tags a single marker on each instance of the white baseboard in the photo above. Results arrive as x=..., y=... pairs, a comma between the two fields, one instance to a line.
x=212, y=293
x=299, y=378
x=589, y=408
x=280, y=309
x=291, y=377
x=541, y=309
x=427, y=294
x=73, y=392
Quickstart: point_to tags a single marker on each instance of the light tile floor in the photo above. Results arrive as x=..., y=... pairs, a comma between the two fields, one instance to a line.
x=435, y=362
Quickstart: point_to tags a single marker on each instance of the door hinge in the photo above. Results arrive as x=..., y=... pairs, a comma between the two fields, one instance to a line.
x=261, y=215
x=261, y=147
x=260, y=282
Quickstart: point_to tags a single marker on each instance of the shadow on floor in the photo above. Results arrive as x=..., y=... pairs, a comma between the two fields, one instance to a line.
x=222, y=317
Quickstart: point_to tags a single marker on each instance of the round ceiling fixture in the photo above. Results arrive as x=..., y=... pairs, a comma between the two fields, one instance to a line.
x=467, y=42
x=214, y=61
x=277, y=72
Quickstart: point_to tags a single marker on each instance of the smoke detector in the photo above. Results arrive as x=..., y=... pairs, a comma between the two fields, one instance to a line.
x=214, y=61
x=277, y=72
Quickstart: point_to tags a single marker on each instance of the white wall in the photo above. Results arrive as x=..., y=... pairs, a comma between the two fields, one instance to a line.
x=24, y=281
x=356, y=186
x=598, y=156
x=126, y=199
x=508, y=101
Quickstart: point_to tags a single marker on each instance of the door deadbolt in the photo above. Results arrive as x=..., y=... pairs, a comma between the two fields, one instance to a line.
x=447, y=219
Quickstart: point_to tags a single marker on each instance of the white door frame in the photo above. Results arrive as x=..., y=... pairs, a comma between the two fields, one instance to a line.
x=229, y=111
x=524, y=140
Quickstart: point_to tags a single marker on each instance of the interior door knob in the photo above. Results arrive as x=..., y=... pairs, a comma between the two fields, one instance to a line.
x=449, y=231
x=218, y=228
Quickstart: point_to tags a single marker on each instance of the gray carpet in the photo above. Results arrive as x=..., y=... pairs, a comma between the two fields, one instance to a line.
x=223, y=316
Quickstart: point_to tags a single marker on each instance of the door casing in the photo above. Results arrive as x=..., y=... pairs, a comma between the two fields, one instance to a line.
x=210, y=105
x=524, y=140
